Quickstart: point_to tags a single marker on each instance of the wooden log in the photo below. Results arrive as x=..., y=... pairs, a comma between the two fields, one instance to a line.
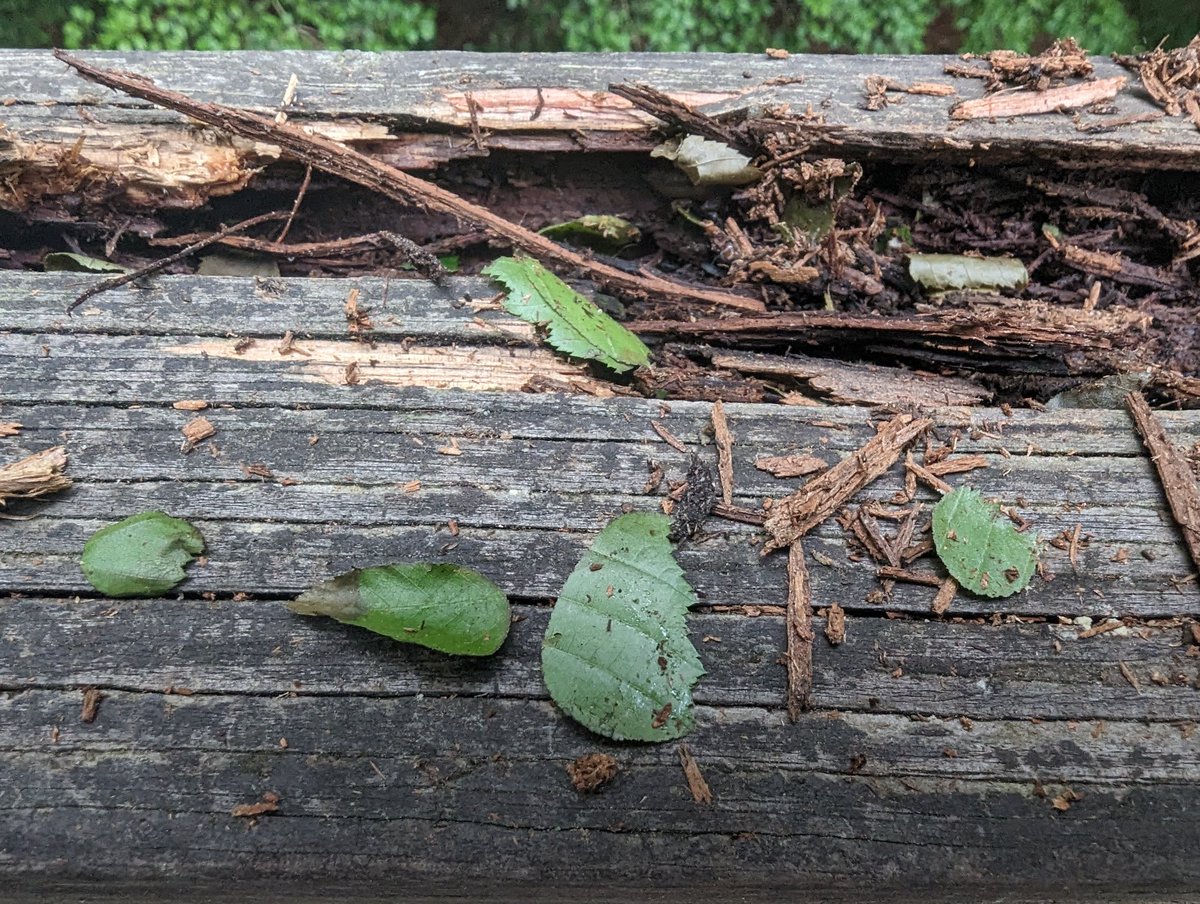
x=939, y=754
x=414, y=110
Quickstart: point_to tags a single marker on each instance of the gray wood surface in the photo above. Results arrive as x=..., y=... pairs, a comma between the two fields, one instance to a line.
x=929, y=767
x=421, y=91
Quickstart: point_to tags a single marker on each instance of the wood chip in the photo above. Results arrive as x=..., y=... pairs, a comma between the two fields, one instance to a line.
x=835, y=624
x=1128, y=675
x=927, y=578
x=450, y=449
x=9, y=428
x=267, y=803
x=668, y=437
x=1183, y=494
x=925, y=476
x=701, y=793
x=959, y=465
x=655, y=478
x=1031, y=103
x=800, y=635
x=350, y=374
x=793, y=517
x=34, y=475
x=196, y=431
x=91, y=705
x=724, y=440
x=590, y=772
x=738, y=513
x=944, y=596
x=791, y=465
x=190, y=405
x=356, y=320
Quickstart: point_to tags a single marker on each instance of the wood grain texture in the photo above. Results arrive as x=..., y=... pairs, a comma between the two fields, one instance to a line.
x=413, y=91
x=930, y=763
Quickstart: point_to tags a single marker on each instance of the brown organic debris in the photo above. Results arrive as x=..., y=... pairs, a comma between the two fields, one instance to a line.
x=1174, y=472
x=944, y=596
x=195, y=432
x=91, y=705
x=592, y=771
x=793, y=517
x=724, y=440
x=668, y=437
x=799, y=653
x=835, y=624
x=9, y=428
x=1171, y=77
x=1033, y=103
x=701, y=793
x=267, y=803
x=791, y=465
x=190, y=405
x=34, y=475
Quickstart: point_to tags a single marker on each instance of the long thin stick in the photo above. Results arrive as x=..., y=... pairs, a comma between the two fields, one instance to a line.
x=337, y=159
x=121, y=279
x=799, y=655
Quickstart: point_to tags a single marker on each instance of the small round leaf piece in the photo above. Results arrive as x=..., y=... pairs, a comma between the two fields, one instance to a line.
x=144, y=555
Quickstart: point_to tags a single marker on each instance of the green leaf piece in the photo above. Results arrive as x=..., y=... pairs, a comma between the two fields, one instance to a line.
x=601, y=232
x=708, y=162
x=66, y=261
x=951, y=272
x=444, y=607
x=144, y=555
x=574, y=325
x=980, y=548
x=617, y=657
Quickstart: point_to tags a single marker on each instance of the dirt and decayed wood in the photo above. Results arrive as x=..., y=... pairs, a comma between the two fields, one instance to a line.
x=950, y=750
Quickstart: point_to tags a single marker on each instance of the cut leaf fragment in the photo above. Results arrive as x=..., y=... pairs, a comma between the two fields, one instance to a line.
x=574, y=325
x=444, y=607
x=980, y=548
x=707, y=162
x=66, y=261
x=601, y=232
x=144, y=555
x=951, y=272
x=617, y=657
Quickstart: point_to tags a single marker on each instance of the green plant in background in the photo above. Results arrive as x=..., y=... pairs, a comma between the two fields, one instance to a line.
x=867, y=26
x=225, y=25
x=1099, y=25
x=851, y=26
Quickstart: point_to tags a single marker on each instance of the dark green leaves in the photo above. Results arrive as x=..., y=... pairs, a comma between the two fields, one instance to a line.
x=574, y=325
x=617, y=656
x=980, y=548
x=144, y=555
x=443, y=607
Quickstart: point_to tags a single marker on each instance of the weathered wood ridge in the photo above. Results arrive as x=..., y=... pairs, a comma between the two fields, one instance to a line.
x=1005, y=747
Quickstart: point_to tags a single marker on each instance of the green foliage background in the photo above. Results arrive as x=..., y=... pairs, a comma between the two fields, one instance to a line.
x=859, y=26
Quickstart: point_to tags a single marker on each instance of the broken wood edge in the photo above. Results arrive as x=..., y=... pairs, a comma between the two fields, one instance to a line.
x=338, y=159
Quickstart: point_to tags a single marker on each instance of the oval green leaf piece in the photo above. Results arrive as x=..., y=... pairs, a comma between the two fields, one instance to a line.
x=144, y=555
x=443, y=607
x=981, y=549
x=600, y=231
x=573, y=324
x=617, y=657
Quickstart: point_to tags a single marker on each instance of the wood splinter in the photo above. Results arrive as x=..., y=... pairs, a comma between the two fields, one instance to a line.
x=800, y=635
